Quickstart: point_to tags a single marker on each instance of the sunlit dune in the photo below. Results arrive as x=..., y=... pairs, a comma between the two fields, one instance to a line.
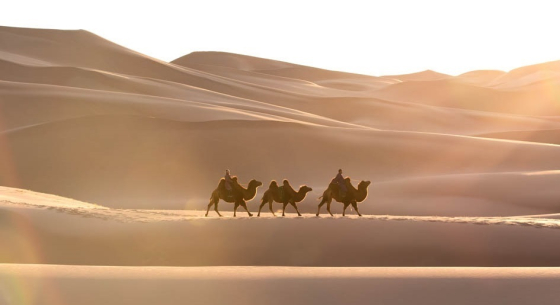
x=63, y=231
x=524, y=72
x=427, y=75
x=481, y=77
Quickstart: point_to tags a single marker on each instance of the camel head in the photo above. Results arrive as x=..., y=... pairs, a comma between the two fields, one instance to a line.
x=364, y=184
x=305, y=189
x=254, y=183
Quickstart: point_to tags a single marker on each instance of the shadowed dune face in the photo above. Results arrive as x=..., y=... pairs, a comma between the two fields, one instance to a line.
x=117, y=159
x=86, y=118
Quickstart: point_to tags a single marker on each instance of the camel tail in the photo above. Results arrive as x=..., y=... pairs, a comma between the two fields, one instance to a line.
x=319, y=197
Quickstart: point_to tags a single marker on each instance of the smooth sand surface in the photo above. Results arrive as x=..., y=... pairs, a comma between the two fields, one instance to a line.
x=38, y=228
x=52, y=284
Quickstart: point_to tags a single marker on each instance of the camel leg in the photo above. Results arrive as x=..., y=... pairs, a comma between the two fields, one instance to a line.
x=209, y=206
x=329, y=207
x=344, y=210
x=260, y=207
x=244, y=205
x=320, y=205
x=355, y=206
x=284, y=208
x=270, y=207
x=235, y=206
x=216, y=208
x=295, y=206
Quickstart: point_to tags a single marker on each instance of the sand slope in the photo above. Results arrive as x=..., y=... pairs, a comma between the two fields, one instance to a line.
x=38, y=228
x=86, y=118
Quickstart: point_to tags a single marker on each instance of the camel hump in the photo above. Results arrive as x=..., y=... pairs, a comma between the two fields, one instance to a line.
x=288, y=188
x=282, y=193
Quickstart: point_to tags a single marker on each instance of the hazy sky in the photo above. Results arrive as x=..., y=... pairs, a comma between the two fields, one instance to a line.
x=370, y=37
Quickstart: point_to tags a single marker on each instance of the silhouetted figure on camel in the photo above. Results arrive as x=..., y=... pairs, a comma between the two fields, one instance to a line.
x=339, y=180
x=229, y=181
x=350, y=197
x=237, y=195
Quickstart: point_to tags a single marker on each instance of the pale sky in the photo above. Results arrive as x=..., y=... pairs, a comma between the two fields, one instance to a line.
x=369, y=37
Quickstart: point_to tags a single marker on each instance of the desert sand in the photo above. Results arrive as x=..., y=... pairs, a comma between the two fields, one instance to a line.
x=52, y=284
x=108, y=158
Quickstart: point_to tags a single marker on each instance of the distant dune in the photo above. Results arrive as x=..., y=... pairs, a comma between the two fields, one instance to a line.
x=427, y=75
x=86, y=118
x=480, y=77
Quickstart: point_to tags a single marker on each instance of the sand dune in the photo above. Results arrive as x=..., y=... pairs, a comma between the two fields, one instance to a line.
x=464, y=172
x=480, y=77
x=69, y=232
x=455, y=94
x=541, y=136
x=463, y=168
x=80, y=113
x=117, y=152
x=266, y=66
x=427, y=75
x=491, y=194
x=529, y=71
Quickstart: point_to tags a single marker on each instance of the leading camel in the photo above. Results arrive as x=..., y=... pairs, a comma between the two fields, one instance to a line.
x=287, y=196
x=353, y=196
x=238, y=195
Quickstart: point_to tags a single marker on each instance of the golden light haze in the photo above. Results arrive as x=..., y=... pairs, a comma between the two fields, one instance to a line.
x=368, y=37
x=110, y=157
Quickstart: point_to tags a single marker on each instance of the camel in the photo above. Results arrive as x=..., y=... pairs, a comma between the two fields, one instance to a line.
x=238, y=195
x=289, y=196
x=352, y=197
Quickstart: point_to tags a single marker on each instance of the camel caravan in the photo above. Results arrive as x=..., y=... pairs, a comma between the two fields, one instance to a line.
x=340, y=189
